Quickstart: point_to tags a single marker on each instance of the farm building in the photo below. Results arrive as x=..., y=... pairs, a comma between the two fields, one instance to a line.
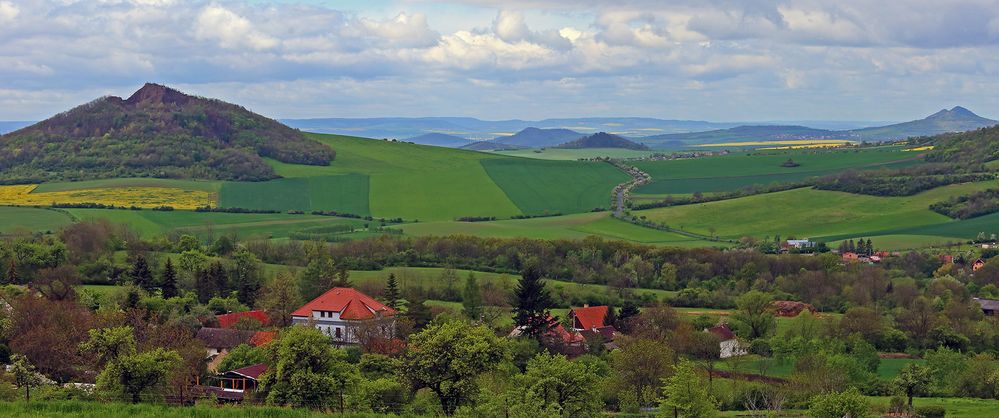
x=590, y=322
x=729, y=345
x=570, y=343
x=977, y=265
x=790, y=308
x=344, y=314
x=989, y=306
x=798, y=243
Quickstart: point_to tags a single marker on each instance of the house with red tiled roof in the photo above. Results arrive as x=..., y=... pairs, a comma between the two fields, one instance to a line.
x=978, y=264
x=590, y=321
x=342, y=312
x=229, y=320
x=568, y=342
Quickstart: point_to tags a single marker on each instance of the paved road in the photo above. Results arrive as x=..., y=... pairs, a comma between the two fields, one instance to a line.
x=620, y=203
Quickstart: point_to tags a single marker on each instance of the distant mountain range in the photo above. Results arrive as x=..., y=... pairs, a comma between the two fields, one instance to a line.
x=603, y=140
x=440, y=140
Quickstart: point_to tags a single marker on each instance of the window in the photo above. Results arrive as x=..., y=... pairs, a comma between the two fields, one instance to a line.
x=338, y=334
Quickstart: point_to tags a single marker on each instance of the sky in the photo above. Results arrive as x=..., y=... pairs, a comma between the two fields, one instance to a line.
x=718, y=60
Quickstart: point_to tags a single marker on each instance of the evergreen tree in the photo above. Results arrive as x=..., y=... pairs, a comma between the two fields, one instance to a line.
x=246, y=275
x=870, y=247
x=391, y=295
x=218, y=278
x=12, y=276
x=168, y=280
x=141, y=275
x=471, y=298
x=418, y=311
x=532, y=303
x=203, y=286
x=611, y=317
x=851, y=246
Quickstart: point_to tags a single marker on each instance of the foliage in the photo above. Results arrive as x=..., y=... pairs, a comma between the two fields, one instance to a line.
x=305, y=370
x=969, y=206
x=913, y=380
x=280, y=298
x=837, y=405
x=559, y=384
x=241, y=356
x=471, y=298
x=446, y=357
x=133, y=375
x=685, y=395
x=754, y=317
x=531, y=304
x=24, y=374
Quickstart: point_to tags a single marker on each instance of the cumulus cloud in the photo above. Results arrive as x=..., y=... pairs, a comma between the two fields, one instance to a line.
x=629, y=54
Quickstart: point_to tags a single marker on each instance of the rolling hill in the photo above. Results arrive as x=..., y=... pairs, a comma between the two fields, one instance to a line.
x=440, y=140
x=603, y=140
x=157, y=132
x=539, y=138
x=741, y=133
x=957, y=119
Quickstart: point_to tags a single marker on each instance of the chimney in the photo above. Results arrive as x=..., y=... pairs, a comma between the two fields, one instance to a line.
x=586, y=305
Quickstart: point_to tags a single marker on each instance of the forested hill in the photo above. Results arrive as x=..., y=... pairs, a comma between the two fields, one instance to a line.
x=976, y=146
x=157, y=132
x=603, y=140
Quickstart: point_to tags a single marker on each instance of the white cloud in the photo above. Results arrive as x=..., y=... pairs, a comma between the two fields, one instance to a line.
x=230, y=30
x=8, y=11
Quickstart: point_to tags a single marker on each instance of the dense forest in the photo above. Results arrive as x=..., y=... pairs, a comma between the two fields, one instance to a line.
x=157, y=132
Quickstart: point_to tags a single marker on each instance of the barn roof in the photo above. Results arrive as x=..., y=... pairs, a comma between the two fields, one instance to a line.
x=590, y=317
x=230, y=319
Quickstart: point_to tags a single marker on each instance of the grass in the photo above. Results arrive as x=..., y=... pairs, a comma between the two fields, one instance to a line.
x=887, y=369
x=23, y=219
x=810, y=213
x=347, y=193
x=577, y=226
x=84, y=409
x=737, y=170
x=955, y=407
x=942, y=232
x=153, y=223
x=540, y=187
x=575, y=154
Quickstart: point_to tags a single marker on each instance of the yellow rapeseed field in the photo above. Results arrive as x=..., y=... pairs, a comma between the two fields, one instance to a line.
x=143, y=197
x=926, y=148
x=822, y=145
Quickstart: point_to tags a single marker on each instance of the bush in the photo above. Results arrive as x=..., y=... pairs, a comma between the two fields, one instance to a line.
x=931, y=412
x=837, y=405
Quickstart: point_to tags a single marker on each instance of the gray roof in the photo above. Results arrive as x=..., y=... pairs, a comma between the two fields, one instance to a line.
x=988, y=304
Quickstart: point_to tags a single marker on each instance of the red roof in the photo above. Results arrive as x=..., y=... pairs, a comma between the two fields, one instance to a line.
x=230, y=319
x=262, y=337
x=252, y=372
x=722, y=331
x=350, y=303
x=589, y=317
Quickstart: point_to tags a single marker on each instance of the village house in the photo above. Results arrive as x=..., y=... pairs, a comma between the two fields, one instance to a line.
x=799, y=244
x=344, y=314
x=851, y=257
x=989, y=306
x=977, y=265
x=729, y=345
x=569, y=343
x=590, y=321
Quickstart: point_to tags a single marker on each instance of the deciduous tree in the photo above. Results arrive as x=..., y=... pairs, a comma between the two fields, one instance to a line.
x=685, y=395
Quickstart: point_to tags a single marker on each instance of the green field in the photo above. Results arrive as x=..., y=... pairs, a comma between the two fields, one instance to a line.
x=346, y=193
x=575, y=154
x=152, y=223
x=577, y=226
x=555, y=186
x=20, y=219
x=810, y=213
x=887, y=368
x=737, y=170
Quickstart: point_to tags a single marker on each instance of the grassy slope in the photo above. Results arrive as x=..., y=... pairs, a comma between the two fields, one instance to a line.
x=539, y=187
x=733, y=171
x=151, y=223
x=346, y=193
x=414, y=181
x=559, y=227
x=810, y=213
x=14, y=219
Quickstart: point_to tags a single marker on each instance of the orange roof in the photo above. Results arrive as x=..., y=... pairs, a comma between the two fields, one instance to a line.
x=589, y=317
x=262, y=337
x=350, y=303
x=230, y=319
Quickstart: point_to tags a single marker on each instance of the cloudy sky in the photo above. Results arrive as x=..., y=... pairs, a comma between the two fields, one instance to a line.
x=723, y=60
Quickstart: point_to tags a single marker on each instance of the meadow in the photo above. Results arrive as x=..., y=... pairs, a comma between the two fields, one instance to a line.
x=810, y=213
x=544, y=187
x=204, y=224
x=16, y=219
x=741, y=169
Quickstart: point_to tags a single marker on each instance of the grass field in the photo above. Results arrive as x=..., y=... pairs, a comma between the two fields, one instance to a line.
x=810, y=213
x=948, y=231
x=575, y=154
x=955, y=407
x=21, y=219
x=555, y=186
x=737, y=170
x=577, y=226
x=151, y=223
x=347, y=193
